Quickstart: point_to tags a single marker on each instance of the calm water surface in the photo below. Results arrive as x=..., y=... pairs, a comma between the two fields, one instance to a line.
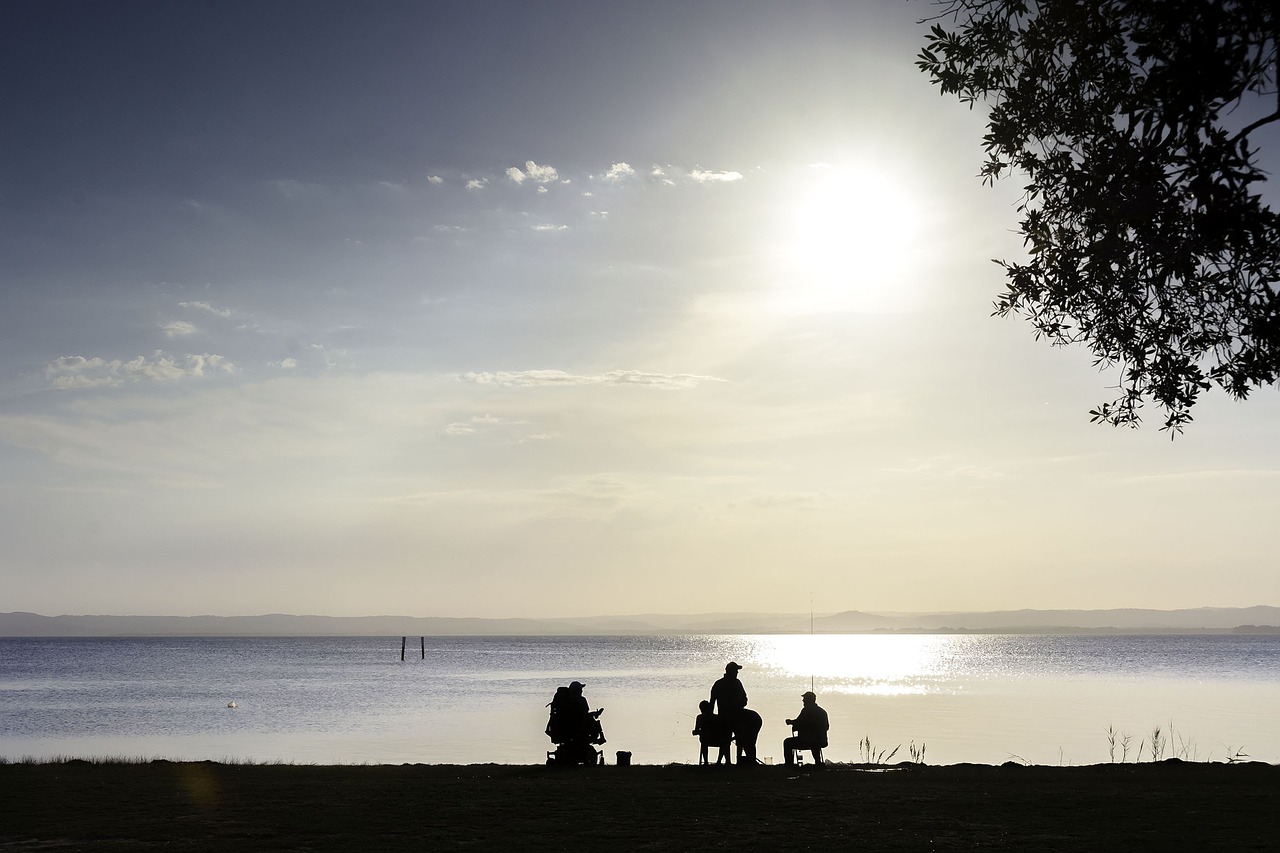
x=980, y=698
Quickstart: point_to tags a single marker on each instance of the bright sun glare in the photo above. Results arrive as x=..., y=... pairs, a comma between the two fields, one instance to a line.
x=859, y=663
x=851, y=242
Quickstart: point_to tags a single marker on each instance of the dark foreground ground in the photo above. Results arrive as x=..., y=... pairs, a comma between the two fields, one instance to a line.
x=242, y=808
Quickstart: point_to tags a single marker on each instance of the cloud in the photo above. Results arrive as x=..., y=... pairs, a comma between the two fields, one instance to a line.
x=285, y=363
x=803, y=501
x=73, y=371
x=435, y=179
x=704, y=176
x=294, y=189
x=659, y=174
x=549, y=227
x=477, y=183
x=533, y=172
x=479, y=422
x=206, y=308
x=943, y=467
x=529, y=378
x=178, y=329
x=619, y=172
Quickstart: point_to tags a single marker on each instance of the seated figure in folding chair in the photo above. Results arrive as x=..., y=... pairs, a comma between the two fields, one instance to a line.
x=711, y=732
x=809, y=729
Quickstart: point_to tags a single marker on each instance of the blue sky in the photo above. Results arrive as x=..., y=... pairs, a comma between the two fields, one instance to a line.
x=514, y=309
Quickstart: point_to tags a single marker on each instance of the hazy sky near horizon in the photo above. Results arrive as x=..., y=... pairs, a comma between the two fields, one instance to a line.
x=538, y=309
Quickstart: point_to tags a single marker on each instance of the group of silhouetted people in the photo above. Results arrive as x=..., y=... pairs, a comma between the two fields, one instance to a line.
x=725, y=719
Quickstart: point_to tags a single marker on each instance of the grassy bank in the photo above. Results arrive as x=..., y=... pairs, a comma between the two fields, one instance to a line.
x=207, y=806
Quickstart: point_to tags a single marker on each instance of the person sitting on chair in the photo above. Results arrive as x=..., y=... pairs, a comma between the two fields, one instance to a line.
x=585, y=722
x=711, y=732
x=810, y=730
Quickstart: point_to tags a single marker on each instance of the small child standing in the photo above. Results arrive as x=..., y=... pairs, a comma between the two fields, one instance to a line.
x=711, y=732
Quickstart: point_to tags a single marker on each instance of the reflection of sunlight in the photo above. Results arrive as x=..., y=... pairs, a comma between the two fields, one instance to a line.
x=850, y=242
x=859, y=663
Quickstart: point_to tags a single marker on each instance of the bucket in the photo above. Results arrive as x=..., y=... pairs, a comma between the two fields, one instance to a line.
x=624, y=759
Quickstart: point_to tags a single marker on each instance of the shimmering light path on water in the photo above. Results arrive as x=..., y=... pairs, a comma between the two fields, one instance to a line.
x=979, y=698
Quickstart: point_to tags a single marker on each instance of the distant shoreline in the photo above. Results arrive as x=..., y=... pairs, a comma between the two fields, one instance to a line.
x=1244, y=620
x=1243, y=630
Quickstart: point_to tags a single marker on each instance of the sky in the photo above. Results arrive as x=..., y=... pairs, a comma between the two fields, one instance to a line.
x=550, y=309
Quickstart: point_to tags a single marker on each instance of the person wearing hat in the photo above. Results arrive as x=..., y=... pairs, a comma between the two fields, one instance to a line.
x=729, y=699
x=584, y=719
x=728, y=696
x=809, y=730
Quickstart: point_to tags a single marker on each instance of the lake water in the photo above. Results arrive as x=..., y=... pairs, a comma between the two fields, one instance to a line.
x=965, y=698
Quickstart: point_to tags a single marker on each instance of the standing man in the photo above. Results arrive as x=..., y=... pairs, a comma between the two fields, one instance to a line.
x=728, y=699
x=810, y=729
x=728, y=696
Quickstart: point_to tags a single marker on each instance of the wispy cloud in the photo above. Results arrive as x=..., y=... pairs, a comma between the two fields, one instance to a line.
x=178, y=329
x=480, y=422
x=206, y=308
x=948, y=468
x=74, y=371
x=294, y=189
x=528, y=378
x=704, y=176
x=659, y=174
x=477, y=183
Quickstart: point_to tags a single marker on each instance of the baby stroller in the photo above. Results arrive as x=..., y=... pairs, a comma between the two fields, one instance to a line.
x=575, y=731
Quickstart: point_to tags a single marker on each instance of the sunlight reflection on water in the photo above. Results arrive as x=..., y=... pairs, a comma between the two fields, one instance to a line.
x=883, y=665
x=476, y=699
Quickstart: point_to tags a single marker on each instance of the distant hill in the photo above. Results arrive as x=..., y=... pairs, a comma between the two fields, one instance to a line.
x=1209, y=619
x=1198, y=620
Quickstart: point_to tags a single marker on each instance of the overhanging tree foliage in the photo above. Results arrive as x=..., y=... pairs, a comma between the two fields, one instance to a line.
x=1147, y=238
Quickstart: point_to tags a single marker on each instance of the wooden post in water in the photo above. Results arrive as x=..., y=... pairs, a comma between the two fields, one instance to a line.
x=424, y=648
x=402, y=642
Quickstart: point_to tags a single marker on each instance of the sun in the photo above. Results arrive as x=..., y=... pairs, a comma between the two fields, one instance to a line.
x=850, y=242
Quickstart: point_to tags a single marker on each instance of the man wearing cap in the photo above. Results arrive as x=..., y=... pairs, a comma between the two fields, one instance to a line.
x=810, y=728
x=729, y=699
x=728, y=696
x=584, y=719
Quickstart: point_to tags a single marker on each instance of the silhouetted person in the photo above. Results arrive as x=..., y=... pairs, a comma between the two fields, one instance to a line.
x=746, y=729
x=573, y=727
x=810, y=728
x=584, y=720
x=711, y=731
x=728, y=696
